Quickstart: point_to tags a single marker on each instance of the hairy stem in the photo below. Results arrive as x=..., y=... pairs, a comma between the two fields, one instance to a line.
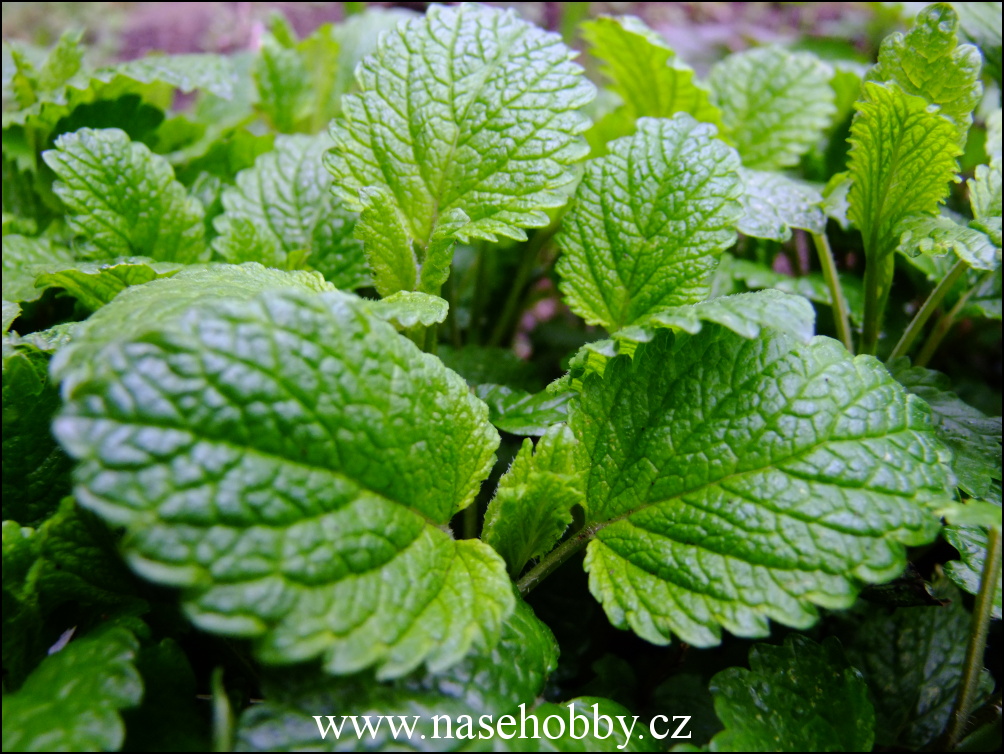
x=556, y=557
x=878, y=276
x=840, y=315
x=934, y=300
x=982, y=611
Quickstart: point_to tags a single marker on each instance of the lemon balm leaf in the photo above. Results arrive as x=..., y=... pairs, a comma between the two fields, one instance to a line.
x=648, y=222
x=306, y=511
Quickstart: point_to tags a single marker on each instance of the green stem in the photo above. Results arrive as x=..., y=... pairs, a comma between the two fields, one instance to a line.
x=556, y=557
x=933, y=302
x=943, y=325
x=507, y=320
x=223, y=716
x=480, y=301
x=840, y=315
x=453, y=326
x=471, y=521
x=876, y=297
x=982, y=611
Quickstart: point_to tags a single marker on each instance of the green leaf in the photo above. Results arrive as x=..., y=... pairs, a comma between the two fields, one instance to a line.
x=775, y=104
x=981, y=23
x=521, y=413
x=929, y=62
x=812, y=286
x=94, y=284
x=11, y=312
x=985, y=185
x=912, y=659
x=357, y=38
x=408, y=309
x=124, y=200
x=734, y=480
x=532, y=506
x=36, y=472
x=204, y=72
x=72, y=701
x=300, y=415
x=286, y=198
x=466, y=109
x=143, y=308
x=975, y=438
x=648, y=223
x=21, y=617
x=801, y=696
x=23, y=258
x=646, y=74
x=902, y=158
x=491, y=681
x=284, y=92
x=481, y=365
x=973, y=513
x=924, y=234
x=971, y=542
x=773, y=204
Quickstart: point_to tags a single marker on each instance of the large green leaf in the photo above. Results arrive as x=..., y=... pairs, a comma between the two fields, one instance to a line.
x=291, y=462
x=72, y=701
x=801, y=696
x=775, y=104
x=124, y=200
x=912, y=659
x=466, y=110
x=532, y=506
x=286, y=198
x=649, y=221
x=974, y=437
x=929, y=62
x=734, y=480
x=646, y=74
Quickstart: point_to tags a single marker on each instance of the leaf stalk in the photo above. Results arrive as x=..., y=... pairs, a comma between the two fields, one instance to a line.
x=930, y=305
x=555, y=558
x=840, y=312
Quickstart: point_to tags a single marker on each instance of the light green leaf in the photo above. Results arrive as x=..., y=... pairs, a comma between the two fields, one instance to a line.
x=383, y=231
x=975, y=439
x=773, y=204
x=23, y=259
x=835, y=203
x=94, y=284
x=141, y=309
x=286, y=197
x=490, y=682
x=912, y=659
x=467, y=109
x=981, y=23
x=532, y=506
x=11, y=312
x=775, y=104
x=123, y=199
x=204, y=72
x=973, y=513
x=924, y=234
x=734, y=480
x=300, y=416
x=521, y=413
x=72, y=700
x=408, y=309
x=902, y=158
x=284, y=91
x=646, y=74
x=801, y=696
x=985, y=185
x=812, y=286
x=929, y=62
x=649, y=221
x=36, y=472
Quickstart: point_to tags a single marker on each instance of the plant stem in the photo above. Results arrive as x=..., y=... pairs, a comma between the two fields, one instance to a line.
x=876, y=298
x=480, y=301
x=223, y=716
x=450, y=294
x=471, y=521
x=933, y=302
x=506, y=321
x=944, y=324
x=550, y=562
x=982, y=611
x=840, y=315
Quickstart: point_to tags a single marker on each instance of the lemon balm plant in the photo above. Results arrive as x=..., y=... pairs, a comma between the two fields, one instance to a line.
x=269, y=453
